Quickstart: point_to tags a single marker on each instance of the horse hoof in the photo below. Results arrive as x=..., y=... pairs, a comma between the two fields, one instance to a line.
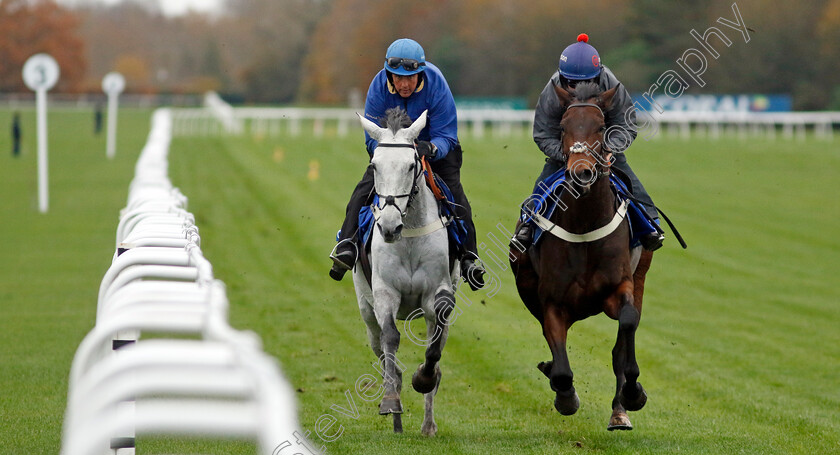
x=429, y=430
x=425, y=384
x=390, y=405
x=619, y=421
x=567, y=403
x=633, y=399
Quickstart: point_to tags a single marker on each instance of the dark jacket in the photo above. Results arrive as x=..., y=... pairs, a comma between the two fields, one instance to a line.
x=620, y=119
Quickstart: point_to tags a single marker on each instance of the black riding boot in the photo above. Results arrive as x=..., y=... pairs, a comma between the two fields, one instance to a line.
x=473, y=273
x=344, y=257
x=525, y=234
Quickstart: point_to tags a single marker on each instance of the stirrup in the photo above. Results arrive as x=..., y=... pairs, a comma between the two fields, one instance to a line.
x=344, y=260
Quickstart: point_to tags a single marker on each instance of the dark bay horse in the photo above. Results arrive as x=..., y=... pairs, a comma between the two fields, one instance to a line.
x=583, y=265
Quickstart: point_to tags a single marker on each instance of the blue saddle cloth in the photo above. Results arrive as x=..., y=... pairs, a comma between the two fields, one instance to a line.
x=640, y=222
x=456, y=228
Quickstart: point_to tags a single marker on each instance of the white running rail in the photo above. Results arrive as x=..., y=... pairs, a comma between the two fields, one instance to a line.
x=218, y=382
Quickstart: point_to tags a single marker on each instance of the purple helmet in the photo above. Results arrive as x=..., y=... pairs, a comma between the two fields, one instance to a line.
x=580, y=60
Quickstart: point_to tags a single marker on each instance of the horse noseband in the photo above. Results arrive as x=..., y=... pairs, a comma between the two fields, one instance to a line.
x=579, y=147
x=391, y=199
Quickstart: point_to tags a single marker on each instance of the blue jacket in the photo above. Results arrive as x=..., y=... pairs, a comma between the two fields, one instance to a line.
x=432, y=94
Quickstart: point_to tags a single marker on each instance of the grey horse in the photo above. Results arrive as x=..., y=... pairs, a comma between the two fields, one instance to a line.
x=410, y=265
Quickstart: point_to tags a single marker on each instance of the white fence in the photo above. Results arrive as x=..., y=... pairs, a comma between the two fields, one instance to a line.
x=498, y=123
x=788, y=125
x=217, y=382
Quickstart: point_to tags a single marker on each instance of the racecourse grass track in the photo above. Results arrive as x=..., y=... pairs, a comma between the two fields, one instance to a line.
x=738, y=345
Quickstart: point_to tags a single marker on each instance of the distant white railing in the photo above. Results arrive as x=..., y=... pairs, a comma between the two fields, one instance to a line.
x=221, y=118
x=292, y=121
x=745, y=124
x=276, y=121
x=223, y=112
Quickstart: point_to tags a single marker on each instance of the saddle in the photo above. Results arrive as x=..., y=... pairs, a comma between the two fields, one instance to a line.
x=455, y=227
x=640, y=222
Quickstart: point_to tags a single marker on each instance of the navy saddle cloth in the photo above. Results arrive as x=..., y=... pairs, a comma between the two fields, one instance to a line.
x=640, y=222
x=456, y=229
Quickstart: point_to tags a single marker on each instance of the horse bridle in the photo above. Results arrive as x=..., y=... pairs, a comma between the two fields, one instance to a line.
x=578, y=147
x=391, y=199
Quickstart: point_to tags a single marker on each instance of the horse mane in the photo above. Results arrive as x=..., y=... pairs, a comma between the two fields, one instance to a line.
x=586, y=91
x=396, y=119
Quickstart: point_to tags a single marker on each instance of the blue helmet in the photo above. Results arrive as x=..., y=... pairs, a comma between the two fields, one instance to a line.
x=405, y=57
x=580, y=60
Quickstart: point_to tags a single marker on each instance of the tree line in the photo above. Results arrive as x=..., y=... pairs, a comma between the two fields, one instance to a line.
x=319, y=51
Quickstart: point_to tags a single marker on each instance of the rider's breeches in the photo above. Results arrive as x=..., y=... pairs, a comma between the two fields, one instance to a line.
x=449, y=169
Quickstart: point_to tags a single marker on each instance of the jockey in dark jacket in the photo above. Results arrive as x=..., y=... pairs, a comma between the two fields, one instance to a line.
x=580, y=62
x=410, y=82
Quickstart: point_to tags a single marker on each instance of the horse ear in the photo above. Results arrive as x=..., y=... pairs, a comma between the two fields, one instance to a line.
x=564, y=96
x=417, y=126
x=606, y=98
x=372, y=129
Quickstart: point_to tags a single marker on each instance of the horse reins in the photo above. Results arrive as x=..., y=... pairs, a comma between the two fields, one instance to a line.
x=579, y=147
x=391, y=199
x=597, y=234
x=605, y=230
x=420, y=165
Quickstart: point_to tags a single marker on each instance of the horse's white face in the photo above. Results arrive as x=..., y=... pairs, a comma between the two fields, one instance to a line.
x=393, y=177
x=395, y=170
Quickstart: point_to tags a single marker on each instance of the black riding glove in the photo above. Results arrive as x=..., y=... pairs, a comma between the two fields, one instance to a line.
x=426, y=148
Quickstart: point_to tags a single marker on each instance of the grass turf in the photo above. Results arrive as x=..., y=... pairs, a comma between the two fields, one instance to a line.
x=738, y=345
x=51, y=264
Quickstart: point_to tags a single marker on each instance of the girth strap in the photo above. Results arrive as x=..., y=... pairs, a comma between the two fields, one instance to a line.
x=590, y=236
x=438, y=224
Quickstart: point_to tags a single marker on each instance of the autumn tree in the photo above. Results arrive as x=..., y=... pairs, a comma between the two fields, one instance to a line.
x=484, y=47
x=349, y=43
x=268, y=41
x=783, y=54
x=28, y=27
x=286, y=51
x=159, y=53
x=828, y=35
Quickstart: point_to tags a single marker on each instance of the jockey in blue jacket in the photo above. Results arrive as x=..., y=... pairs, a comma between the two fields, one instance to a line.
x=408, y=81
x=579, y=63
